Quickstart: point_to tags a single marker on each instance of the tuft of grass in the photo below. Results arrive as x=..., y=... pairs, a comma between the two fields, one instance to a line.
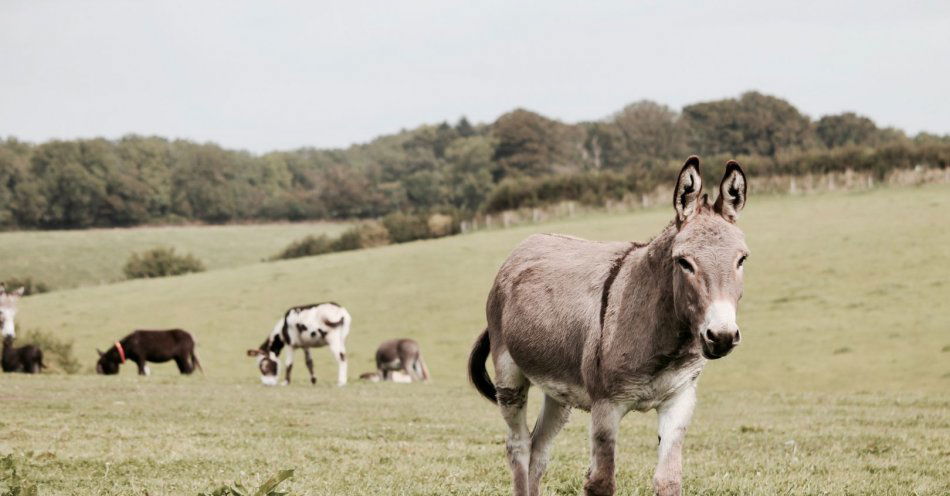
x=12, y=482
x=161, y=262
x=29, y=286
x=841, y=351
x=57, y=352
x=267, y=488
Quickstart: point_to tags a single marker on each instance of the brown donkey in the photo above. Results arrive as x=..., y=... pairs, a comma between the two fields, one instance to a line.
x=614, y=327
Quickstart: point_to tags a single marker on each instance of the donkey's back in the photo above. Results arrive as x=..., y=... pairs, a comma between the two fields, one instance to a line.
x=546, y=300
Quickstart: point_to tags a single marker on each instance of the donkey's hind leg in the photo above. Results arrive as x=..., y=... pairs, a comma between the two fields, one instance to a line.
x=552, y=418
x=512, y=395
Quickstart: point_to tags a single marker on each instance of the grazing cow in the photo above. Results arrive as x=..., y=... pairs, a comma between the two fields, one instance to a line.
x=8, y=302
x=401, y=355
x=142, y=347
x=613, y=327
x=308, y=326
x=27, y=359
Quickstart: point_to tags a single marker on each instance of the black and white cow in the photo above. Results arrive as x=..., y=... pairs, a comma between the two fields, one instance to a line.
x=308, y=326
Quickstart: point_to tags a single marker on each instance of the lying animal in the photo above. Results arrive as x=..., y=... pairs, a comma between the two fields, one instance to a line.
x=27, y=359
x=401, y=355
x=394, y=376
x=142, y=347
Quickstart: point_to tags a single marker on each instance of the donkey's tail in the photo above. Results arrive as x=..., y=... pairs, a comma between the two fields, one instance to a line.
x=476, y=367
x=194, y=360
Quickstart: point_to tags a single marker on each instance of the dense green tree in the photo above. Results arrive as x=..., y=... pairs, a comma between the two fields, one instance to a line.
x=846, y=129
x=753, y=124
x=527, y=144
x=521, y=159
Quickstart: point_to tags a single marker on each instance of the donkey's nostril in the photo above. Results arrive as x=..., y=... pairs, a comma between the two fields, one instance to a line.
x=708, y=335
x=736, y=338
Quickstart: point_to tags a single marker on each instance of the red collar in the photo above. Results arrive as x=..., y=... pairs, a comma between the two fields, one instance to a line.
x=118, y=346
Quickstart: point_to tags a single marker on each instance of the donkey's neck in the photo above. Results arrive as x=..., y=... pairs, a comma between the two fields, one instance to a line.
x=646, y=332
x=655, y=269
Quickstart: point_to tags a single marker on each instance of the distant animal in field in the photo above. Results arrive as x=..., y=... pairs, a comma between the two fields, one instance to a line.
x=396, y=376
x=8, y=309
x=611, y=327
x=143, y=346
x=401, y=355
x=304, y=327
x=27, y=359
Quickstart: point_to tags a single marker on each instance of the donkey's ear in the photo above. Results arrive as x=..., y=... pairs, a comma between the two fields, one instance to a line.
x=732, y=192
x=686, y=196
x=99, y=352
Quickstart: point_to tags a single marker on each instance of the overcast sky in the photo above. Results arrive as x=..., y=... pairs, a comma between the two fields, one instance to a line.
x=279, y=75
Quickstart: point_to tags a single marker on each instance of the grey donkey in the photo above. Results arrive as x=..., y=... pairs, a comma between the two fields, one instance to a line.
x=611, y=327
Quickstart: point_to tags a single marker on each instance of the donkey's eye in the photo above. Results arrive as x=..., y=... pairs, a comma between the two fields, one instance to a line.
x=688, y=267
x=741, y=261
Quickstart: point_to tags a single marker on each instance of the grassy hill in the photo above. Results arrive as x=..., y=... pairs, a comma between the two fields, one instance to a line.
x=841, y=383
x=68, y=259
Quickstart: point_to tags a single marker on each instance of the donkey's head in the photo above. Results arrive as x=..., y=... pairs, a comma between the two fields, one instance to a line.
x=109, y=361
x=267, y=364
x=8, y=302
x=708, y=254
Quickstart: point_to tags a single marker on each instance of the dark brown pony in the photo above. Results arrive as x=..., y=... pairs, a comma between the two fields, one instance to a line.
x=142, y=347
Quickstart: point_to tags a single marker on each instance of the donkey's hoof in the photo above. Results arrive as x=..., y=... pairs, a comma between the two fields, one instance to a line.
x=599, y=488
x=313, y=380
x=666, y=487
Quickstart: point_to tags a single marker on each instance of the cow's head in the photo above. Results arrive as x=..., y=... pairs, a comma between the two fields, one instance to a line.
x=8, y=302
x=268, y=365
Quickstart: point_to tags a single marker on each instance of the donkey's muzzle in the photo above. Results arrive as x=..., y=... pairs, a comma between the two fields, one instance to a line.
x=717, y=344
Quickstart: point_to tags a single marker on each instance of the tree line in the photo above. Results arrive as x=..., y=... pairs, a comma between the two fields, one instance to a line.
x=455, y=169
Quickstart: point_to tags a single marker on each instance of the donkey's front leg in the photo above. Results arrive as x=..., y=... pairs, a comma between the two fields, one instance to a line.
x=289, y=365
x=307, y=358
x=143, y=367
x=604, y=424
x=674, y=416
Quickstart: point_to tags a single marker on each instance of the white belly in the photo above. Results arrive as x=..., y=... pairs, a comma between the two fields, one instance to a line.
x=663, y=386
x=568, y=394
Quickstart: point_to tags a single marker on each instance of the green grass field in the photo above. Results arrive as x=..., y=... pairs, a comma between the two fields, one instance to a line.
x=841, y=385
x=69, y=259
